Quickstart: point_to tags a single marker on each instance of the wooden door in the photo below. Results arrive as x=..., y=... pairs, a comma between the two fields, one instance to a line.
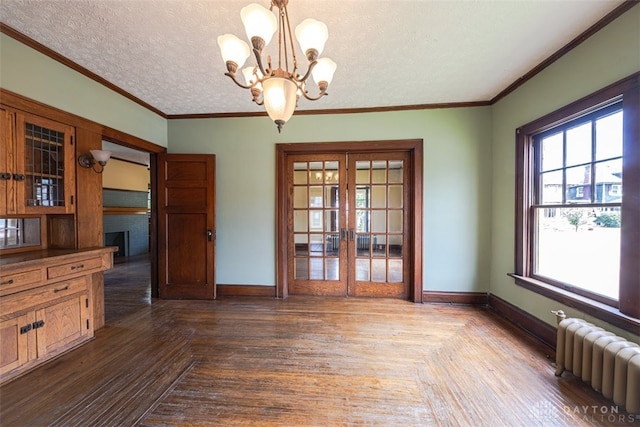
x=14, y=336
x=379, y=207
x=62, y=323
x=318, y=247
x=45, y=165
x=348, y=217
x=186, y=226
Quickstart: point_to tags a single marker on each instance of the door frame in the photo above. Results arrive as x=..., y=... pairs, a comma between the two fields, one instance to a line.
x=414, y=147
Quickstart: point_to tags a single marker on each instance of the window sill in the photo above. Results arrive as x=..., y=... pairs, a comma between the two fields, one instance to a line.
x=593, y=308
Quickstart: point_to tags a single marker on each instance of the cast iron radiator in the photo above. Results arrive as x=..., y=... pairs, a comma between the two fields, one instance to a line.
x=610, y=363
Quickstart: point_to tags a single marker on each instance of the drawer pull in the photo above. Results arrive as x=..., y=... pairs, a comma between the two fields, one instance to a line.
x=7, y=282
x=76, y=267
x=24, y=329
x=55, y=291
x=39, y=324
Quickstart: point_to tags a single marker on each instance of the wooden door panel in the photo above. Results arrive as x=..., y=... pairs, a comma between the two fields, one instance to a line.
x=187, y=198
x=13, y=352
x=186, y=226
x=188, y=262
x=63, y=324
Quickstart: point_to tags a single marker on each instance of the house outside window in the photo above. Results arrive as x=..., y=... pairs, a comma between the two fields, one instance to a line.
x=576, y=219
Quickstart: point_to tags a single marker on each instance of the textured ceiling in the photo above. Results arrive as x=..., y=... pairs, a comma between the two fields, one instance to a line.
x=389, y=53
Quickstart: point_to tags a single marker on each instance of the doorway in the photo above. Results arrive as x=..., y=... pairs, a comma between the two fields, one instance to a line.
x=349, y=219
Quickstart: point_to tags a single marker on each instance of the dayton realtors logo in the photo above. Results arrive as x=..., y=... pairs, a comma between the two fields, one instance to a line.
x=547, y=412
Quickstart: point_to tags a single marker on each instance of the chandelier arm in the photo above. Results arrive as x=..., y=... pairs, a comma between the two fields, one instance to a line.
x=233, y=77
x=311, y=98
x=264, y=72
x=307, y=74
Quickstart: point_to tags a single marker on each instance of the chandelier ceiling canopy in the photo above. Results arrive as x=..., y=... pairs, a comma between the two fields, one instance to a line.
x=278, y=86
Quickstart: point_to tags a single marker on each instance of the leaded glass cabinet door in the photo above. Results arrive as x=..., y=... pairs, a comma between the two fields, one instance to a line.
x=378, y=218
x=45, y=171
x=317, y=209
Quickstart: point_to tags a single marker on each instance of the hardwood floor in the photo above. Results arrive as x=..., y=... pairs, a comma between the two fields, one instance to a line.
x=301, y=361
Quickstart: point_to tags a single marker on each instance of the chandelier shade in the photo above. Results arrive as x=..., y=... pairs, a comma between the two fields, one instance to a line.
x=233, y=50
x=312, y=35
x=278, y=86
x=259, y=22
x=279, y=99
x=323, y=71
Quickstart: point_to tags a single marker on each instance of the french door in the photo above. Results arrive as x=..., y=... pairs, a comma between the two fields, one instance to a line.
x=348, y=217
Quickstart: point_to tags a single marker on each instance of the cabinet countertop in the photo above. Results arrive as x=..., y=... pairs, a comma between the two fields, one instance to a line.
x=36, y=257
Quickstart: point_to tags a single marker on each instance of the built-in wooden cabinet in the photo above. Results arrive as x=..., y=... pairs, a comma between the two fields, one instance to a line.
x=46, y=305
x=37, y=168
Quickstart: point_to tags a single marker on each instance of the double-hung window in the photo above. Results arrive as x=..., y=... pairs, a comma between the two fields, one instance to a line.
x=578, y=204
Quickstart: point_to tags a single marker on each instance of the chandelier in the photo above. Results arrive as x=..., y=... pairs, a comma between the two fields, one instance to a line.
x=278, y=87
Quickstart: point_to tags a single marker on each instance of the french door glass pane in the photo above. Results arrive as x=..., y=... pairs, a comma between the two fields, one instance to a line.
x=315, y=197
x=379, y=245
x=302, y=268
x=300, y=221
x=317, y=269
x=379, y=221
x=301, y=244
x=395, y=246
x=300, y=173
x=331, y=220
x=379, y=196
x=331, y=198
x=395, y=270
x=333, y=268
x=395, y=221
x=396, y=172
x=362, y=270
x=299, y=197
x=395, y=196
x=362, y=172
x=379, y=270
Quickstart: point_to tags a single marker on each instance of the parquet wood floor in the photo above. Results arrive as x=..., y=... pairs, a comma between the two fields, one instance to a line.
x=303, y=361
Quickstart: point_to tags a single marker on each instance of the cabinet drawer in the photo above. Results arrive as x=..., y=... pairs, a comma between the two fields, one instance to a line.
x=22, y=301
x=74, y=268
x=16, y=282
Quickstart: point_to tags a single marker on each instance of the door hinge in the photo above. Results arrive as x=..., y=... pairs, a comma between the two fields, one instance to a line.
x=86, y=301
x=72, y=200
x=87, y=323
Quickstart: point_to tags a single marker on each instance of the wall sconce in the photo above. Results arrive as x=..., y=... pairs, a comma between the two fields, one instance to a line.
x=99, y=156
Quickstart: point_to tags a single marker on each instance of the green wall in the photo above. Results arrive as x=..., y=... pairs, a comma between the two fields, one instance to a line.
x=608, y=56
x=457, y=187
x=36, y=76
x=468, y=159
